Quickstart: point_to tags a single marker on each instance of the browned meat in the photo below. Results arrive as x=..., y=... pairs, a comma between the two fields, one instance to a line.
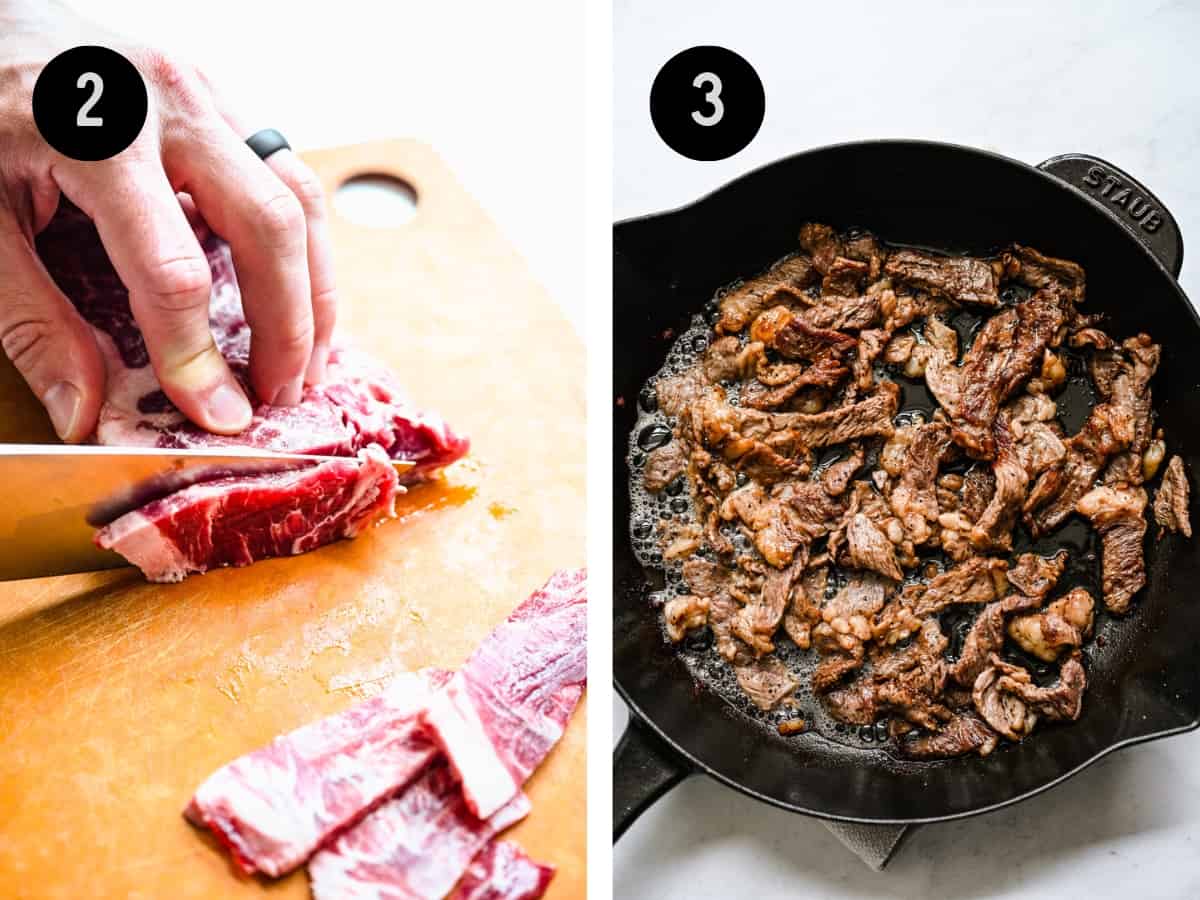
x=978, y=580
x=727, y=359
x=845, y=277
x=795, y=338
x=682, y=614
x=1003, y=710
x=963, y=734
x=986, y=637
x=963, y=279
x=821, y=243
x=784, y=282
x=1039, y=271
x=765, y=681
x=1035, y=575
x=1118, y=514
x=664, y=465
x=843, y=313
x=1059, y=702
x=793, y=369
x=869, y=548
x=1171, y=501
x=1122, y=379
x=1066, y=622
x=914, y=499
x=1003, y=356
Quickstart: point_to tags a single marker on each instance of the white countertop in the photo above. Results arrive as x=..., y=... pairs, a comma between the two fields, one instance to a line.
x=1032, y=80
x=494, y=88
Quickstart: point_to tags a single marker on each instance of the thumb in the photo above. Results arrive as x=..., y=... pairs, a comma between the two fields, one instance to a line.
x=46, y=339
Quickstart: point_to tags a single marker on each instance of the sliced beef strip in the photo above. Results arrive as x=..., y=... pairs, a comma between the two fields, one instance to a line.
x=994, y=528
x=664, y=465
x=727, y=359
x=914, y=498
x=784, y=282
x=843, y=313
x=825, y=372
x=866, y=248
x=1036, y=575
x=977, y=580
x=822, y=244
x=1003, y=710
x=683, y=614
x=978, y=486
x=1061, y=701
x=1119, y=515
x=1038, y=271
x=805, y=609
x=869, y=548
x=963, y=279
x=1064, y=623
x=1002, y=357
x=767, y=682
x=837, y=476
x=853, y=704
x=795, y=338
x=1171, y=501
x=1132, y=395
x=963, y=734
x=756, y=622
x=845, y=277
x=795, y=514
x=986, y=637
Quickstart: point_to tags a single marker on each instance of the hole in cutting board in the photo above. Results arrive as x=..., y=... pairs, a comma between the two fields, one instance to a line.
x=381, y=201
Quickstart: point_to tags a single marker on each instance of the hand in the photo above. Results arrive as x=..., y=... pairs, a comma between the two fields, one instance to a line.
x=191, y=150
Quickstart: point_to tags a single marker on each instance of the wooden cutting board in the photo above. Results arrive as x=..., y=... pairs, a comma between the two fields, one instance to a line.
x=117, y=697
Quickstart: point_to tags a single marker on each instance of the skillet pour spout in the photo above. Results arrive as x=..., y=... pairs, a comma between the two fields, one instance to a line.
x=1143, y=681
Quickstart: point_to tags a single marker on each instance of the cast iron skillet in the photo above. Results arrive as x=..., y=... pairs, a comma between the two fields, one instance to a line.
x=1143, y=683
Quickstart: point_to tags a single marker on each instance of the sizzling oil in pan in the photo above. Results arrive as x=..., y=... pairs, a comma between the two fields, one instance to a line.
x=649, y=512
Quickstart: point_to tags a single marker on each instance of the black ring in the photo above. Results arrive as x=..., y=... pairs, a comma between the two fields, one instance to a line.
x=266, y=142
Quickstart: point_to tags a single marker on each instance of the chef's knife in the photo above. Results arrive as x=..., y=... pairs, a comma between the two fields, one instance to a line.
x=53, y=497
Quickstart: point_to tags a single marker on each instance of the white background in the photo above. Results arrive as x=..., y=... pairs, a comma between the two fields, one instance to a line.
x=495, y=88
x=1029, y=80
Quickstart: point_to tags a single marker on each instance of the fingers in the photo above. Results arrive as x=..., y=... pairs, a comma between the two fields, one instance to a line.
x=265, y=225
x=157, y=256
x=302, y=182
x=50, y=345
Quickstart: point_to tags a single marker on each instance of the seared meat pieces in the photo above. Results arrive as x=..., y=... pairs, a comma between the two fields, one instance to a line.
x=804, y=473
x=1171, y=502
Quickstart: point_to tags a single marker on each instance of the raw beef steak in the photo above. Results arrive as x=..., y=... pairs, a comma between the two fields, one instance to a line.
x=359, y=405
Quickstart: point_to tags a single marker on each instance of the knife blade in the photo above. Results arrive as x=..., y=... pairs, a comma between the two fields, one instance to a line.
x=55, y=496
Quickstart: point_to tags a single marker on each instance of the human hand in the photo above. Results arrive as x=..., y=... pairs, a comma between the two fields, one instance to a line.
x=191, y=150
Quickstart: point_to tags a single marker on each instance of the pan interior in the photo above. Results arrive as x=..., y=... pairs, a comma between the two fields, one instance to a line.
x=667, y=267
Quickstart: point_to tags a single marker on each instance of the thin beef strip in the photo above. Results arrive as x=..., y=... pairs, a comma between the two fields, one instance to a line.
x=963, y=279
x=1119, y=515
x=986, y=637
x=783, y=282
x=963, y=734
x=1171, y=501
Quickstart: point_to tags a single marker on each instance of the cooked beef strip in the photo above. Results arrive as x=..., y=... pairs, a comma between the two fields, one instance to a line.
x=1171, y=501
x=1061, y=701
x=1066, y=622
x=960, y=278
x=986, y=637
x=825, y=372
x=866, y=248
x=869, y=548
x=914, y=499
x=965, y=733
x=1132, y=395
x=783, y=282
x=1036, y=575
x=1118, y=514
x=978, y=580
x=664, y=465
x=795, y=338
x=726, y=359
x=765, y=681
x=1038, y=271
x=845, y=277
x=837, y=476
x=843, y=313
x=821, y=243
x=757, y=621
x=1004, y=711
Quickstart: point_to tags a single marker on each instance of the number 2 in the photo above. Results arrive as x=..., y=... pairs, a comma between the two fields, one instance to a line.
x=713, y=98
x=85, y=117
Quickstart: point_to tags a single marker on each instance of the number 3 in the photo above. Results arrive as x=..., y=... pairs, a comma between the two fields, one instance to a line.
x=713, y=97
x=85, y=117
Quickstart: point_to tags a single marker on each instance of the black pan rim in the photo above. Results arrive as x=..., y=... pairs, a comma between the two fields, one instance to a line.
x=698, y=767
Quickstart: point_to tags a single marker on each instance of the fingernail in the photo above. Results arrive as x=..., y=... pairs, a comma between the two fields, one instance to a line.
x=62, y=403
x=289, y=394
x=317, y=365
x=228, y=408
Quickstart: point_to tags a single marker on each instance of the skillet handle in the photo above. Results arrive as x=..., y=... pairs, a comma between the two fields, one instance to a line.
x=1126, y=198
x=644, y=768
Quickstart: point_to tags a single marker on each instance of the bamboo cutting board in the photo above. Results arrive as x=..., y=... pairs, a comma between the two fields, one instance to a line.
x=117, y=697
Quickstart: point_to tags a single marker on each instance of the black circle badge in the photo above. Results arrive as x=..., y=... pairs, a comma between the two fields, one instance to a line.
x=707, y=103
x=89, y=103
